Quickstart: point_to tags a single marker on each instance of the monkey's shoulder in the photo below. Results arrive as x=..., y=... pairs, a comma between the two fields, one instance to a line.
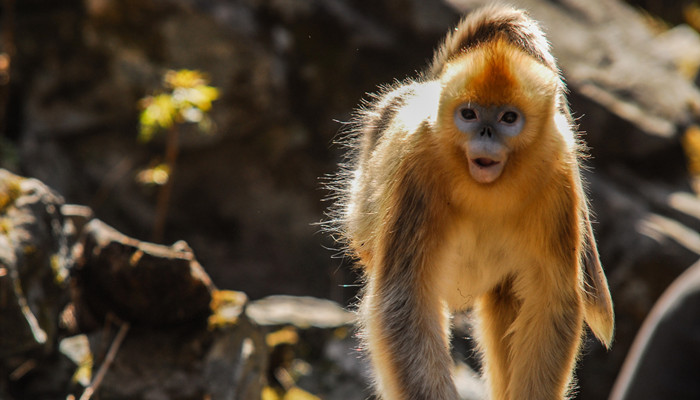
x=398, y=109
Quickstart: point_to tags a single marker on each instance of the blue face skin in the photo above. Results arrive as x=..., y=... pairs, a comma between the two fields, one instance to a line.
x=487, y=129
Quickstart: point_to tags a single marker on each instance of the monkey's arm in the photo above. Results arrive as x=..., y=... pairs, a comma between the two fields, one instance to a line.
x=406, y=323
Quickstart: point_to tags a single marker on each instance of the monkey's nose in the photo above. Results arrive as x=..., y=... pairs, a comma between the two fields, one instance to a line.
x=486, y=131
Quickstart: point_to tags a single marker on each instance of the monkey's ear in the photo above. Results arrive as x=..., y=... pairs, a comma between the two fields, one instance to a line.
x=598, y=309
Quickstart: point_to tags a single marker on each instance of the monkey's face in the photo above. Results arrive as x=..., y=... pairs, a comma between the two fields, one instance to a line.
x=494, y=104
x=487, y=130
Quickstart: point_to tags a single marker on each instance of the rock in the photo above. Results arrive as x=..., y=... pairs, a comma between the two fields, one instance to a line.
x=77, y=349
x=78, y=216
x=661, y=362
x=312, y=347
x=647, y=235
x=35, y=260
x=181, y=363
x=237, y=352
x=184, y=338
x=226, y=360
x=680, y=48
x=139, y=282
x=34, y=263
x=302, y=312
x=667, y=12
x=312, y=340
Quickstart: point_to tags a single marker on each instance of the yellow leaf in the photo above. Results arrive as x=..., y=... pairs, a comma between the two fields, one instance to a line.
x=269, y=393
x=189, y=101
x=296, y=393
x=184, y=78
x=286, y=335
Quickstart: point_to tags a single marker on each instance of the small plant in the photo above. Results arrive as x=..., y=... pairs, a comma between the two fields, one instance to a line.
x=186, y=99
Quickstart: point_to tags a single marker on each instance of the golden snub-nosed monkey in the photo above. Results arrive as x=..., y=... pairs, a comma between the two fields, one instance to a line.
x=463, y=190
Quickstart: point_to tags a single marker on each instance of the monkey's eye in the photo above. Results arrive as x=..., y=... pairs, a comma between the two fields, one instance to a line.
x=509, y=117
x=467, y=117
x=468, y=114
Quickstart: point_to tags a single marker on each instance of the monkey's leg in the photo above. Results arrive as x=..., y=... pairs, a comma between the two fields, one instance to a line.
x=496, y=311
x=406, y=332
x=545, y=339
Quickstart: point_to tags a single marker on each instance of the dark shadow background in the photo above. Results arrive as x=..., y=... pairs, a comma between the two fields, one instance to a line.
x=248, y=198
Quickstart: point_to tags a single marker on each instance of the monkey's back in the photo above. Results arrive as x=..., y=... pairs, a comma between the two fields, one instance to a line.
x=387, y=131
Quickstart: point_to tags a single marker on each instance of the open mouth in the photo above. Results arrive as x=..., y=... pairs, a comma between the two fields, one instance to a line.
x=484, y=162
x=485, y=169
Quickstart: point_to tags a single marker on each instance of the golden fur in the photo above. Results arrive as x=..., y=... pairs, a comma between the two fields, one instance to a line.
x=432, y=239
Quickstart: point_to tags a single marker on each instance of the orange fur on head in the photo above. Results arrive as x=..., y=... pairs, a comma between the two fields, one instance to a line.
x=499, y=73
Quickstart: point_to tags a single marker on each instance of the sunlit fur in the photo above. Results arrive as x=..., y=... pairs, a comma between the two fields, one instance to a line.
x=431, y=239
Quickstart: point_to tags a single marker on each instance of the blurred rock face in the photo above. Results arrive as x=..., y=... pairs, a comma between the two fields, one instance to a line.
x=66, y=280
x=246, y=197
x=34, y=262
